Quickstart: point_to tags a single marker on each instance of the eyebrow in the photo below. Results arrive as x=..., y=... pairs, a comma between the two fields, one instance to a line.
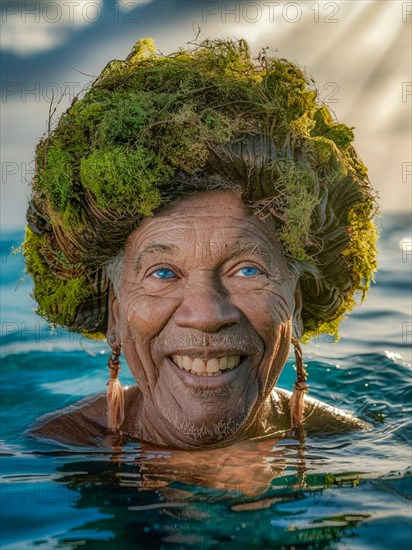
x=236, y=250
x=239, y=249
x=251, y=248
x=152, y=249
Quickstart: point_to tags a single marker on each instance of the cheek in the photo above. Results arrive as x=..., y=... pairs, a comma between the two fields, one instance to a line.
x=141, y=320
x=144, y=315
x=268, y=311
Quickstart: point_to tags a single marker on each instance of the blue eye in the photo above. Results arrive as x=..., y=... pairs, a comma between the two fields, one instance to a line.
x=163, y=273
x=249, y=271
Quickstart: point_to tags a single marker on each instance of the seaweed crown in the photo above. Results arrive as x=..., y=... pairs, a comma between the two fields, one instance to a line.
x=154, y=127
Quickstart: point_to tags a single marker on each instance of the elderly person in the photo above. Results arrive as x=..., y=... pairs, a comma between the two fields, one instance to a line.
x=203, y=212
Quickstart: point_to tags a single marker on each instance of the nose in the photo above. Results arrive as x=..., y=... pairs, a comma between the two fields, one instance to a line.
x=206, y=306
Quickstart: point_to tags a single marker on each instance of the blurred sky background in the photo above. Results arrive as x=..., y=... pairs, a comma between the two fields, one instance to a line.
x=358, y=51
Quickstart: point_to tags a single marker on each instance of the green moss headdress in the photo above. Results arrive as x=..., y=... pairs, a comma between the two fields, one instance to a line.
x=152, y=128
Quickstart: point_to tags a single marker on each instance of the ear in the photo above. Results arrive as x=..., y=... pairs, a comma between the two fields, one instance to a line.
x=113, y=333
x=297, y=323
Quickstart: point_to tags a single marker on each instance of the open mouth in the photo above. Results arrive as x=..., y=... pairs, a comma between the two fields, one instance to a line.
x=207, y=367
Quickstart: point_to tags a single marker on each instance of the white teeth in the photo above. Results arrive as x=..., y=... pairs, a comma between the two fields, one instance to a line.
x=223, y=363
x=212, y=367
x=187, y=362
x=198, y=366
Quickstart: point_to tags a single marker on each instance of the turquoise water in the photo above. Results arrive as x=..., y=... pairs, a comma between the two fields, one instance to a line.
x=342, y=492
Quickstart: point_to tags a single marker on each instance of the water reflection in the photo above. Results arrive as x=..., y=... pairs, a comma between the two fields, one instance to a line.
x=151, y=497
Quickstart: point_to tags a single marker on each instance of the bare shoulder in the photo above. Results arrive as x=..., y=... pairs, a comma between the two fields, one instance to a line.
x=320, y=417
x=82, y=423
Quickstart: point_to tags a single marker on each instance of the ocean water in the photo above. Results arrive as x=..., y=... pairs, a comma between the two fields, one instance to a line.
x=350, y=491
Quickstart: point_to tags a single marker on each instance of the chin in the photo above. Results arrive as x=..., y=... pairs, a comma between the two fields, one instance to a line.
x=208, y=434
x=211, y=423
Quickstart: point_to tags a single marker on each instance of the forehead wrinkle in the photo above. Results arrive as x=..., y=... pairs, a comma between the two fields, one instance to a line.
x=184, y=220
x=177, y=221
x=239, y=229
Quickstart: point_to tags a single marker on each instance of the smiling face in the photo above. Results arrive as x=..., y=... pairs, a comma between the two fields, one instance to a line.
x=204, y=313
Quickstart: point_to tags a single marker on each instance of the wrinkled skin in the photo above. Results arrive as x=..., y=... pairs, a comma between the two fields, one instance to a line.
x=204, y=278
x=225, y=290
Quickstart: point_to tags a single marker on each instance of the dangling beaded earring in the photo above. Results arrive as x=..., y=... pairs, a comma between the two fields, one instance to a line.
x=297, y=401
x=114, y=393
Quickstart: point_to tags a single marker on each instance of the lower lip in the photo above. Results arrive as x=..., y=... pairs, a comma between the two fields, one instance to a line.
x=218, y=381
